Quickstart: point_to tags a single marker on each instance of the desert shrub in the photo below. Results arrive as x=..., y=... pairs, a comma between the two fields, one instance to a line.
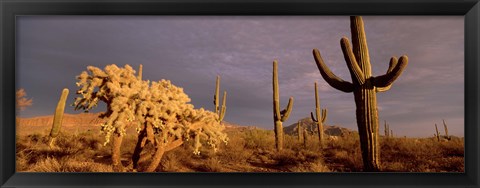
x=68, y=164
x=422, y=155
x=259, y=139
x=236, y=149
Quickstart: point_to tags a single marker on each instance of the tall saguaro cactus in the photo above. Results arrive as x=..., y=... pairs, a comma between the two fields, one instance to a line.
x=220, y=111
x=438, y=134
x=364, y=87
x=279, y=116
x=58, y=117
x=320, y=120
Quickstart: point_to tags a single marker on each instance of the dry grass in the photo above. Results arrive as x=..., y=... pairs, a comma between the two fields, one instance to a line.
x=248, y=150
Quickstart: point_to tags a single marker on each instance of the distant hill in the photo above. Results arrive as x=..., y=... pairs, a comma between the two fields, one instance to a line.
x=82, y=119
x=332, y=130
x=92, y=119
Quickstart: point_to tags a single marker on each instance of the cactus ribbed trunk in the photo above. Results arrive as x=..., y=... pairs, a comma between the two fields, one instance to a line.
x=220, y=111
x=278, y=135
x=58, y=117
x=321, y=118
x=279, y=116
x=365, y=99
x=367, y=121
x=364, y=87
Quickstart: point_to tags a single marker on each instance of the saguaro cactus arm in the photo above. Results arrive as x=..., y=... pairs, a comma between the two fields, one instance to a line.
x=219, y=110
x=224, y=106
x=388, y=78
x=352, y=64
x=328, y=75
x=323, y=118
x=284, y=114
x=391, y=65
x=324, y=115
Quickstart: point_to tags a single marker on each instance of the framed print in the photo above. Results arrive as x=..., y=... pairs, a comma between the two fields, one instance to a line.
x=180, y=94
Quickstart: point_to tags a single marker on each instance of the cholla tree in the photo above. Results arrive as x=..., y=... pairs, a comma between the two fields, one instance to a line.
x=159, y=110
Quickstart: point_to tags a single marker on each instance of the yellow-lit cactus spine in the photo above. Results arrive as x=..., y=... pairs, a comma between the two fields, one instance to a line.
x=320, y=120
x=58, y=117
x=279, y=116
x=220, y=111
x=364, y=87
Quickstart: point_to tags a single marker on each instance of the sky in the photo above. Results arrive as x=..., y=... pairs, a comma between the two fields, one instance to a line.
x=192, y=50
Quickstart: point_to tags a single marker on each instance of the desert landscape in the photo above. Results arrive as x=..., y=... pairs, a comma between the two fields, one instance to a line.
x=125, y=122
x=250, y=149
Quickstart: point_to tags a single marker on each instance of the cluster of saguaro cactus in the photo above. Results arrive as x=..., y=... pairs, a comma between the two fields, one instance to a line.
x=387, y=130
x=364, y=87
x=320, y=120
x=161, y=111
x=58, y=118
x=279, y=116
x=220, y=111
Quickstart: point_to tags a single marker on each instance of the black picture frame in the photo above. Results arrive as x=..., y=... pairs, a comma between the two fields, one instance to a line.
x=9, y=9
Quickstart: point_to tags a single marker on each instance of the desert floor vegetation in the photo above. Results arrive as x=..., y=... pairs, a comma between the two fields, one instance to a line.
x=250, y=149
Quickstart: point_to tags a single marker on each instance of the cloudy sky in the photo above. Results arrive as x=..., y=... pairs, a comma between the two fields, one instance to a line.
x=192, y=50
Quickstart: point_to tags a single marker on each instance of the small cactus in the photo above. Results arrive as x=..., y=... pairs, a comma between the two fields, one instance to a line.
x=58, y=117
x=140, y=72
x=446, y=130
x=299, y=130
x=320, y=120
x=305, y=137
x=279, y=116
x=220, y=111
